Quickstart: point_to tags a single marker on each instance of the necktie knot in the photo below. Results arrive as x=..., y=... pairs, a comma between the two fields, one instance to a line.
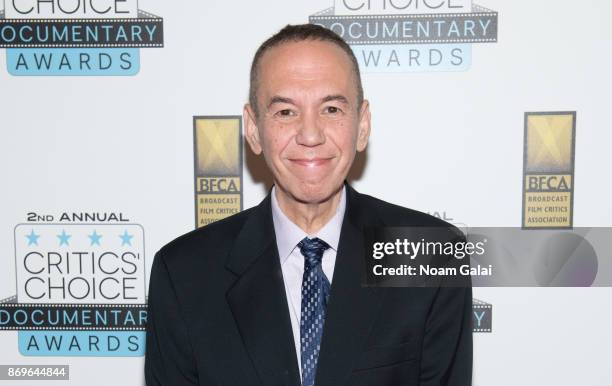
x=313, y=249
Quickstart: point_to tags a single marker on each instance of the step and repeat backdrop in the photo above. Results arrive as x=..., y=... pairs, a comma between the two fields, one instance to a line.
x=121, y=130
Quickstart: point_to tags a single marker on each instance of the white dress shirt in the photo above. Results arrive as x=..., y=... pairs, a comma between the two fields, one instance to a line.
x=288, y=235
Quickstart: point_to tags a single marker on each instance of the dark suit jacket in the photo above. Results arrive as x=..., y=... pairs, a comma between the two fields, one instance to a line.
x=218, y=313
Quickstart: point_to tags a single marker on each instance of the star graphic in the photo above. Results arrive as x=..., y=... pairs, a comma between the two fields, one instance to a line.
x=32, y=238
x=126, y=238
x=63, y=237
x=95, y=238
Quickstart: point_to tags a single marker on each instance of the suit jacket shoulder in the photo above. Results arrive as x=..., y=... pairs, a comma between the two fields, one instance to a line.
x=376, y=212
x=207, y=242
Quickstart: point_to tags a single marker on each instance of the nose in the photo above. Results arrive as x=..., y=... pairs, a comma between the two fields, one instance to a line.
x=310, y=132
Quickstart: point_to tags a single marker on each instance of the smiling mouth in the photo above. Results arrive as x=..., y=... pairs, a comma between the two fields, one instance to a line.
x=310, y=162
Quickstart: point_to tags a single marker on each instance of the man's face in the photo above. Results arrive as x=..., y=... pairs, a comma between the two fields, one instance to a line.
x=309, y=125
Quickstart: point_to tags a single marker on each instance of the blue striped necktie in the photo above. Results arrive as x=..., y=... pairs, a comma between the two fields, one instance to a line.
x=315, y=293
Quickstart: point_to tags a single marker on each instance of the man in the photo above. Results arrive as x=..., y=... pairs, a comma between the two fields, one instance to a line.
x=273, y=295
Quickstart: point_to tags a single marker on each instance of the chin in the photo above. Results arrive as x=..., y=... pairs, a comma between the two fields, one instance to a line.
x=313, y=193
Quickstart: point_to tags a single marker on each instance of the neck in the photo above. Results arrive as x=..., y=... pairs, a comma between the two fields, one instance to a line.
x=310, y=217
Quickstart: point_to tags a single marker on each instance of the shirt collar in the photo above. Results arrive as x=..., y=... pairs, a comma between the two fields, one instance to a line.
x=288, y=234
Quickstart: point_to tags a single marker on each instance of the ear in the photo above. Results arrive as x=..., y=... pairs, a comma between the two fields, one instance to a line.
x=251, y=130
x=364, y=126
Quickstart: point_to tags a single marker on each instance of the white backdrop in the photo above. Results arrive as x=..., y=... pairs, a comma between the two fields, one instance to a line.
x=441, y=142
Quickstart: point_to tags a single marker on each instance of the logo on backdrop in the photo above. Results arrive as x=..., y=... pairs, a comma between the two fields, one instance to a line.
x=410, y=35
x=80, y=286
x=59, y=37
x=482, y=312
x=548, y=170
x=218, y=167
x=482, y=316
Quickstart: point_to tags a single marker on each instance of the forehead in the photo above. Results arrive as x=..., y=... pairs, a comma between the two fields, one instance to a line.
x=305, y=64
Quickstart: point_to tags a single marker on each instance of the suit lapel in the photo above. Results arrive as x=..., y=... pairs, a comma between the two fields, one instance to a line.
x=352, y=308
x=258, y=301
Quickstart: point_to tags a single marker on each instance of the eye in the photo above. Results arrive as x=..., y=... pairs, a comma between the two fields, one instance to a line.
x=332, y=110
x=285, y=113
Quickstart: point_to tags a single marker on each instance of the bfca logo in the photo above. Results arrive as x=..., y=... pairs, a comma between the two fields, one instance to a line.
x=76, y=37
x=80, y=286
x=410, y=35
